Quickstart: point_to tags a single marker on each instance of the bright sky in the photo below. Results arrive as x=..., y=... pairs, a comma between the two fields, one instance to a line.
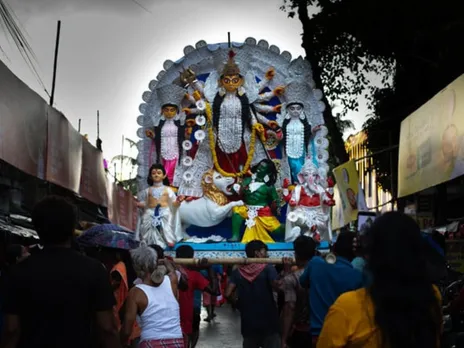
x=111, y=49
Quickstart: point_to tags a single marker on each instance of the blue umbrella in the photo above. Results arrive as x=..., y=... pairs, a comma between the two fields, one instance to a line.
x=108, y=236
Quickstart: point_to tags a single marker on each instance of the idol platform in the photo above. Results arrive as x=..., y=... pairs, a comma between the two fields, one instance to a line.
x=211, y=242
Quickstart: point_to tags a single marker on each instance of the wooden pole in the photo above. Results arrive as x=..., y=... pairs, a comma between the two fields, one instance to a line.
x=230, y=261
x=228, y=40
x=57, y=45
x=79, y=126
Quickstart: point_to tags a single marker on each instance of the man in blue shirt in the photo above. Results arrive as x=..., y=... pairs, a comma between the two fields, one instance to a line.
x=327, y=282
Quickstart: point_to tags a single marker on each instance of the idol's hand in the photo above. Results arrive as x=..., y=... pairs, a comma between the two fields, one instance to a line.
x=277, y=109
x=149, y=133
x=259, y=128
x=273, y=125
x=197, y=95
x=286, y=183
x=270, y=73
x=187, y=111
x=279, y=91
x=190, y=123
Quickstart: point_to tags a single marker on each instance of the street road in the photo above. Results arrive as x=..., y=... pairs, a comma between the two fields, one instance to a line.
x=223, y=331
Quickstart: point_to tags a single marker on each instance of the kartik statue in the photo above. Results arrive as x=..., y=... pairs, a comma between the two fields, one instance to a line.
x=261, y=205
x=168, y=133
x=160, y=221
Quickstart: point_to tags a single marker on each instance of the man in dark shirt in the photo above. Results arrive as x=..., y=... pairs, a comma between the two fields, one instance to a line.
x=255, y=284
x=58, y=297
x=326, y=281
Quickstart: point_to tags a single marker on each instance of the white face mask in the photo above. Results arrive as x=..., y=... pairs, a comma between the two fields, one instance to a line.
x=295, y=110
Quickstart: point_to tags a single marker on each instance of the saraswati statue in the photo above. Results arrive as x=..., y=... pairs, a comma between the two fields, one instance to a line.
x=224, y=108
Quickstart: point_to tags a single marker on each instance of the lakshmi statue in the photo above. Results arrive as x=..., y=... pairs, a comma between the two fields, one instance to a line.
x=160, y=222
x=296, y=128
x=169, y=129
x=261, y=204
x=307, y=204
x=236, y=118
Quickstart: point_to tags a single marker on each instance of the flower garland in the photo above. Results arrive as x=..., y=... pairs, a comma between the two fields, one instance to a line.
x=212, y=146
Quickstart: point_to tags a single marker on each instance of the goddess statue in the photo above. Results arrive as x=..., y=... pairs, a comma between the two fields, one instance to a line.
x=261, y=203
x=160, y=223
x=307, y=203
x=169, y=129
x=296, y=128
x=236, y=117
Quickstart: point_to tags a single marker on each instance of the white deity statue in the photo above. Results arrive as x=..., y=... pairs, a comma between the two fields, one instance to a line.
x=307, y=204
x=159, y=222
x=168, y=133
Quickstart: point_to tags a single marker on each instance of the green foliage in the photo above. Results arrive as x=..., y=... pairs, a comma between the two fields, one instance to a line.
x=347, y=66
x=131, y=185
x=414, y=44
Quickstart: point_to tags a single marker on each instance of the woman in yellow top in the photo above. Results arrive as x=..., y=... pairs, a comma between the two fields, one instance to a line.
x=400, y=308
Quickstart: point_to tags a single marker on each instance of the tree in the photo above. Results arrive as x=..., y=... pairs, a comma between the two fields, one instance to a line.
x=424, y=44
x=413, y=43
x=340, y=65
x=129, y=166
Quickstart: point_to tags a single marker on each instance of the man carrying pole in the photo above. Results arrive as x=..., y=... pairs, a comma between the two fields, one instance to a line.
x=255, y=283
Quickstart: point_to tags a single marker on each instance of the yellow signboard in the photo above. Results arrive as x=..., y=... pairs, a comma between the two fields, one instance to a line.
x=347, y=179
x=432, y=142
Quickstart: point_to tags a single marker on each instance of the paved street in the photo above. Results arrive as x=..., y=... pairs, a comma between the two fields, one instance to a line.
x=223, y=332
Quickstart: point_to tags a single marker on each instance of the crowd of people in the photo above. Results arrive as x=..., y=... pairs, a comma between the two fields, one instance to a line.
x=374, y=291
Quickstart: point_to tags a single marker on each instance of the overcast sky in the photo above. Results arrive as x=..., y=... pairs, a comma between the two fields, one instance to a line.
x=111, y=49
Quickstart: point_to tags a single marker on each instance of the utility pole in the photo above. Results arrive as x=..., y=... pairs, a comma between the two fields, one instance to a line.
x=122, y=155
x=57, y=46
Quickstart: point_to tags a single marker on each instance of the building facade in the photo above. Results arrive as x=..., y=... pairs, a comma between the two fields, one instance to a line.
x=377, y=199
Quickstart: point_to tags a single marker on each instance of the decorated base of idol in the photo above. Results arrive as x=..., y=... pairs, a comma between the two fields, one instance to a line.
x=233, y=149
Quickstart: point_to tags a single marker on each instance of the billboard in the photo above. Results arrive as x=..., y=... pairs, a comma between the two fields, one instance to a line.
x=432, y=142
x=347, y=179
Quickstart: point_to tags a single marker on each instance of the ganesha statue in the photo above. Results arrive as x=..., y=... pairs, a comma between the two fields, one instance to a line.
x=261, y=203
x=308, y=204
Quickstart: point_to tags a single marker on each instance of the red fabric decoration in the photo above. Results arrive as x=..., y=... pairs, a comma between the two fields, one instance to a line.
x=231, y=54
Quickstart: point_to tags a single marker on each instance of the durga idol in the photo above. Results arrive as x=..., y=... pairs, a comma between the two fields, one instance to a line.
x=236, y=117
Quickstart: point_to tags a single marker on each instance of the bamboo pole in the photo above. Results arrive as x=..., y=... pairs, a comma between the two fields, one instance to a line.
x=230, y=261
